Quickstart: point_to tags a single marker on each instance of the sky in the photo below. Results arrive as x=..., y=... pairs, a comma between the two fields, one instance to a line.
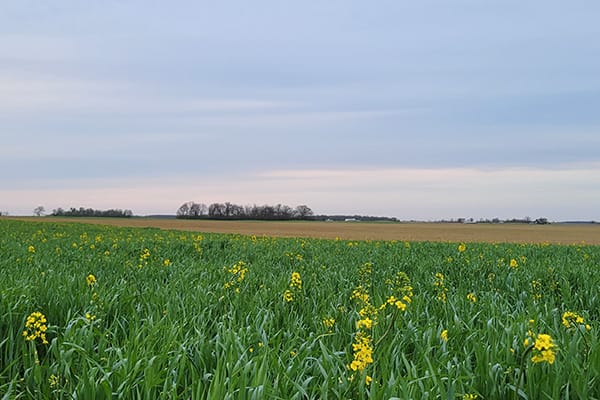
x=420, y=110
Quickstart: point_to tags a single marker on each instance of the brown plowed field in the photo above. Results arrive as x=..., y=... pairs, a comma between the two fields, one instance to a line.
x=513, y=233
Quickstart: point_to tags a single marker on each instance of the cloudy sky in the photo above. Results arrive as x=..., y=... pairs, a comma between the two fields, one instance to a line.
x=413, y=109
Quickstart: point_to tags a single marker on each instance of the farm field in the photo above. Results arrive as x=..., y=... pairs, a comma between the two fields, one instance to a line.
x=495, y=233
x=99, y=311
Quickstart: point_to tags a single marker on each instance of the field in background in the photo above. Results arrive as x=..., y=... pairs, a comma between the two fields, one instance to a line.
x=494, y=233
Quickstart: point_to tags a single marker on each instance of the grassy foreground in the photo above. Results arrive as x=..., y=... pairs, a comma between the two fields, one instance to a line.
x=106, y=312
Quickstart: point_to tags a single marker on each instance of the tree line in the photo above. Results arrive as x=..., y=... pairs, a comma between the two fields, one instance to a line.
x=90, y=212
x=281, y=212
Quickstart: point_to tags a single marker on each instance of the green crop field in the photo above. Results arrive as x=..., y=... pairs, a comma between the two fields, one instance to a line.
x=97, y=312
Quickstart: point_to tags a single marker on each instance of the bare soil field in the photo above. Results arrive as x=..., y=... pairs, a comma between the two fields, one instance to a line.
x=507, y=233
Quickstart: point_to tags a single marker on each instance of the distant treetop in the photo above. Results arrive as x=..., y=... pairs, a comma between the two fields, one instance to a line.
x=192, y=210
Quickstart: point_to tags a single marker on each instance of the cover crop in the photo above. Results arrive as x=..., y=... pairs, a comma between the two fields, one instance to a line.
x=98, y=312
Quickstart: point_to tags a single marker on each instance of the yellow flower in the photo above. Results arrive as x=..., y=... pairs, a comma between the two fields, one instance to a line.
x=31, y=249
x=368, y=380
x=296, y=281
x=53, y=381
x=544, y=355
x=365, y=323
x=444, y=335
x=470, y=396
x=167, y=262
x=329, y=323
x=288, y=296
x=35, y=327
x=145, y=255
x=513, y=263
x=544, y=346
x=472, y=298
x=572, y=320
x=543, y=341
x=363, y=352
x=90, y=317
x=90, y=280
x=461, y=247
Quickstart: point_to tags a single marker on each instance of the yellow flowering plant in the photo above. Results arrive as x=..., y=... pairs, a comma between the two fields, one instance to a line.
x=444, y=335
x=572, y=320
x=237, y=275
x=295, y=287
x=90, y=280
x=542, y=346
x=36, y=327
x=440, y=288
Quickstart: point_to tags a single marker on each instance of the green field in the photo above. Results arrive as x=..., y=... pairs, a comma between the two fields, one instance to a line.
x=93, y=312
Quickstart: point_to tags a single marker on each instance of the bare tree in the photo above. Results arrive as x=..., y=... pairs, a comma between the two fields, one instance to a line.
x=303, y=212
x=184, y=210
x=216, y=210
x=39, y=211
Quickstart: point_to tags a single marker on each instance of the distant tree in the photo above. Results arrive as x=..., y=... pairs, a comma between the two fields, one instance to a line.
x=303, y=212
x=216, y=210
x=198, y=210
x=230, y=210
x=89, y=212
x=184, y=210
x=39, y=211
x=283, y=212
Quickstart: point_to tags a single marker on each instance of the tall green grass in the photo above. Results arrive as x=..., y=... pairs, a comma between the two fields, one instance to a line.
x=168, y=319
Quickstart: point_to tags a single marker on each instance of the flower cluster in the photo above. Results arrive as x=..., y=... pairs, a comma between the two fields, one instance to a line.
x=90, y=317
x=362, y=346
x=296, y=281
x=444, y=335
x=363, y=352
x=295, y=287
x=197, y=240
x=53, y=381
x=90, y=280
x=401, y=287
x=238, y=273
x=440, y=287
x=536, y=289
x=329, y=323
x=144, y=256
x=293, y=256
x=543, y=348
x=35, y=327
x=572, y=320
x=462, y=247
x=472, y=298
